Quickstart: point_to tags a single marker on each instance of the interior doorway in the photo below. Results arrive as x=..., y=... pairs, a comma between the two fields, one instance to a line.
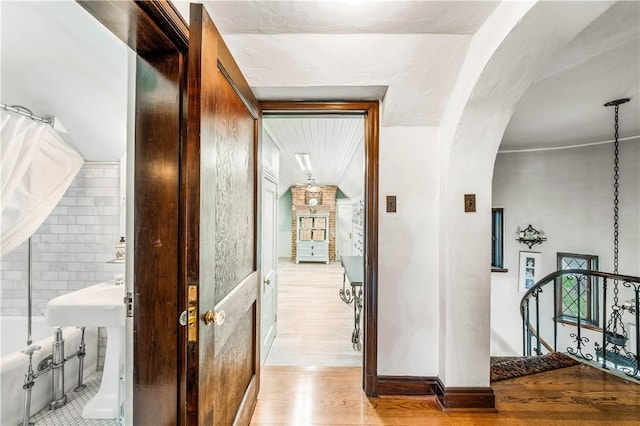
x=316, y=163
x=287, y=236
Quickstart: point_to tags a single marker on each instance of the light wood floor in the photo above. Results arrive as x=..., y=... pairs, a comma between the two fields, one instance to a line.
x=578, y=395
x=314, y=325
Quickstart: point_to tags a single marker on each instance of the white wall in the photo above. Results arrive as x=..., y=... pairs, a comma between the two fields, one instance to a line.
x=408, y=252
x=568, y=194
x=505, y=57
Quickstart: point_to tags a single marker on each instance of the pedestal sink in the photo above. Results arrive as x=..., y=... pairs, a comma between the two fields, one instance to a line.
x=100, y=305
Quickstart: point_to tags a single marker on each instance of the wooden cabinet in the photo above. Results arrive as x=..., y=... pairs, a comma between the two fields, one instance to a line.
x=312, y=242
x=358, y=229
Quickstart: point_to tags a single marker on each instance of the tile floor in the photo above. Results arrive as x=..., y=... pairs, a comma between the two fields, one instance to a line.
x=71, y=413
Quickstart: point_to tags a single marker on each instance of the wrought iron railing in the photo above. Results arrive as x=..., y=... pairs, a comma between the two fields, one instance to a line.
x=604, y=340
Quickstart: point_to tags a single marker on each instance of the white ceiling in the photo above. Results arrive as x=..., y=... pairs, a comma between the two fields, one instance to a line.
x=565, y=106
x=332, y=143
x=58, y=61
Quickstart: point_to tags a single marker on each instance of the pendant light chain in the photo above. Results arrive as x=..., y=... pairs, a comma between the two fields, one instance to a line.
x=616, y=217
x=615, y=321
x=616, y=186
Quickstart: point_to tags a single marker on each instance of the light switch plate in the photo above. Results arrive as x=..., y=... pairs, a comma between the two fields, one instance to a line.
x=391, y=204
x=469, y=203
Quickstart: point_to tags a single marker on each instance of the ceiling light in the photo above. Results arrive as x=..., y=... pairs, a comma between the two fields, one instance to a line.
x=304, y=162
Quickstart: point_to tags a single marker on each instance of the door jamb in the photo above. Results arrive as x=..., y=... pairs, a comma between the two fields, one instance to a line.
x=371, y=112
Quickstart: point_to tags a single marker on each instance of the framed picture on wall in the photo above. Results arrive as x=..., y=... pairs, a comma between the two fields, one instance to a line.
x=529, y=270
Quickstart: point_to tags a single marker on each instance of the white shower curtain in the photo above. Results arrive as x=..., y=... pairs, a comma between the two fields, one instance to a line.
x=36, y=169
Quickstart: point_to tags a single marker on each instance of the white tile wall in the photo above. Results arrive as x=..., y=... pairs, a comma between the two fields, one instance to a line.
x=71, y=248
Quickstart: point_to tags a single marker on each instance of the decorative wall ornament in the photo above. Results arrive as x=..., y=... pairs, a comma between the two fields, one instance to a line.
x=530, y=236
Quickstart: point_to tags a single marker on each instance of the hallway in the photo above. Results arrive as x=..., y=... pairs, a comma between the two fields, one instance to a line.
x=314, y=325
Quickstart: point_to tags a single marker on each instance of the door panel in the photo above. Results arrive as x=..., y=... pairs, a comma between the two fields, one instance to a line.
x=269, y=266
x=220, y=243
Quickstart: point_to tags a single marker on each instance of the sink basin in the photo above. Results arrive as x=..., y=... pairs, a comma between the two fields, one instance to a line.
x=101, y=305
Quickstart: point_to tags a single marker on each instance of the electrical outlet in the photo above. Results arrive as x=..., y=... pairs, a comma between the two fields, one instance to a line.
x=469, y=202
x=391, y=204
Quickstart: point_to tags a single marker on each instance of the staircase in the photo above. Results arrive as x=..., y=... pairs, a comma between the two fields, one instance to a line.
x=550, y=339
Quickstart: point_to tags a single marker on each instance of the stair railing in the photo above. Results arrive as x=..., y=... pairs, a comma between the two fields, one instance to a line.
x=582, y=339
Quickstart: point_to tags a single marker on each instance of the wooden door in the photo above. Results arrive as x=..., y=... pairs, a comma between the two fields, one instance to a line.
x=269, y=266
x=219, y=188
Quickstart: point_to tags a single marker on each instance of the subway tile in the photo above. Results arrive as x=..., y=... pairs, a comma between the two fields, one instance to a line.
x=86, y=257
x=112, y=192
x=49, y=276
x=84, y=210
x=58, y=266
x=57, y=285
x=75, y=191
x=11, y=275
x=58, y=248
x=106, y=202
x=86, y=220
x=67, y=257
x=68, y=201
x=68, y=238
x=51, y=220
x=87, y=277
x=43, y=247
x=77, y=229
x=77, y=266
x=67, y=276
x=113, y=172
x=95, y=192
x=49, y=238
x=86, y=201
x=58, y=229
x=92, y=172
x=86, y=238
x=108, y=210
x=60, y=210
x=40, y=266
x=67, y=220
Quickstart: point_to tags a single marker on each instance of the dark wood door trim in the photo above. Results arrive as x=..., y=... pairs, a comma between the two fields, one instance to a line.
x=157, y=33
x=370, y=110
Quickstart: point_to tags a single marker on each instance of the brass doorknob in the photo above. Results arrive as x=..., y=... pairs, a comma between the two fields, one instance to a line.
x=217, y=317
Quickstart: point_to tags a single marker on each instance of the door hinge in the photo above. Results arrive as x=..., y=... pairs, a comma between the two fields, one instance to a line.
x=276, y=318
x=128, y=302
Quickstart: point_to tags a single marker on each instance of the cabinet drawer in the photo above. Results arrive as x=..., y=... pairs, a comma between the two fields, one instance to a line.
x=310, y=253
x=304, y=245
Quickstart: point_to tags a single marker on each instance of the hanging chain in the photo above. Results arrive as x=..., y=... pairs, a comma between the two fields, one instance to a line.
x=616, y=313
x=616, y=186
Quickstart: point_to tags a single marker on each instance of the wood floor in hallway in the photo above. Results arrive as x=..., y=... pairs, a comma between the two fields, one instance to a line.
x=578, y=395
x=314, y=324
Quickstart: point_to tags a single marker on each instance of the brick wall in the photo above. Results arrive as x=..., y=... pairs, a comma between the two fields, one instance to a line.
x=72, y=246
x=328, y=202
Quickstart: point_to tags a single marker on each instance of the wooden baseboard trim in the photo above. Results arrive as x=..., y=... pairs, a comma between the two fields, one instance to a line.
x=465, y=399
x=407, y=385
